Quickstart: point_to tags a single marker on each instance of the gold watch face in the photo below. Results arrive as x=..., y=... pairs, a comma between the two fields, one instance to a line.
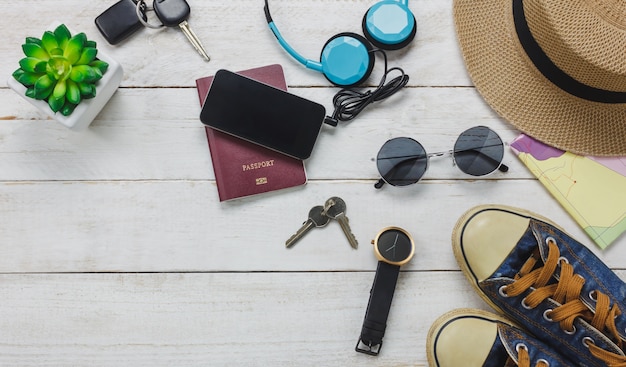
x=394, y=245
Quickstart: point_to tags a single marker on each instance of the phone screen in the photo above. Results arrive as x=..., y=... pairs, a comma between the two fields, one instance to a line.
x=262, y=114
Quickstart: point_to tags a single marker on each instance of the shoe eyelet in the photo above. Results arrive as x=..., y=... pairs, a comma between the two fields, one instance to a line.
x=546, y=363
x=587, y=340
x=546, y=316
x=592, y=296
x=526, y=306
x=571, y=332
x=502, y=291
x=520, y=346
x=562, y=259
x=550, y=239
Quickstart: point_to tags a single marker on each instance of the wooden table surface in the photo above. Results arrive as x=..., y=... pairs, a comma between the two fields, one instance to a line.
x=114, y=247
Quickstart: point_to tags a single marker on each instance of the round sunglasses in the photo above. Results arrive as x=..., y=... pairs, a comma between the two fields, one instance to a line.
x=478, y=151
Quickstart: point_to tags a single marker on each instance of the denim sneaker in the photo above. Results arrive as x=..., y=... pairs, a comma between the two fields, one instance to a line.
x=530, y=270
x=476, y=338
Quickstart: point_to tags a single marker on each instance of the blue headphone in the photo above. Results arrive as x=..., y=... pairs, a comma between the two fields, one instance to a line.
x=347, y=58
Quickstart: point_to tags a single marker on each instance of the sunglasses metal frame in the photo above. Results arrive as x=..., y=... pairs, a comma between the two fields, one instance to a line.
x=501, y=166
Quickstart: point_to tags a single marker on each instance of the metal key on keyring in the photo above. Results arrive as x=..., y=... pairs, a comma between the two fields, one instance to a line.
x=174, y=13
x=335, y=208
x=316, y=219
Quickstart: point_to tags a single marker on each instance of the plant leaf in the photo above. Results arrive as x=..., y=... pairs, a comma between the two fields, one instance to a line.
x=18, y=73
x=27, y=79
x=56, y=52
x=74, y=48
x=92, y=94
x=56, y=103
x=33, y=65
x=89, y=92
x=73, y=92
x=33, y=40
x=86, y=89
x=59, y=89
x=29, y=64
x=43, y=87
x=36, y=51
x=30, y=92
x=49, y=41
x=78, y=73
x=68, y=108
x=85, y=73
x=91, y=43
x=95, y=75
x=88, y=55
x=62, y=35
x=101, y=65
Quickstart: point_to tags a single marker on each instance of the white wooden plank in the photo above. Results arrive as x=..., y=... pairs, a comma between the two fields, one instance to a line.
x=181, y=226
x=236, y=36
x=156, y=134
x=253, y=319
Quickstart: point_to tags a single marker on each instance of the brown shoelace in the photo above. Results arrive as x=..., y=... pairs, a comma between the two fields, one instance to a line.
x=567, y=293
x=523, y=359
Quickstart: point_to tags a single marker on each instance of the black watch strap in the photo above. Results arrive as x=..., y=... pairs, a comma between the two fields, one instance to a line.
x=381, y=295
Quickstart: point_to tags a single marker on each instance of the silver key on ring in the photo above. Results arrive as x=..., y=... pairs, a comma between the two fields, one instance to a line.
x=335, y=208
x=316, y=219
x=174, y=13
x=141, y=8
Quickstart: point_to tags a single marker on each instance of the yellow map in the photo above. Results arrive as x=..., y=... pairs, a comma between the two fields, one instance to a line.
x=591, y=189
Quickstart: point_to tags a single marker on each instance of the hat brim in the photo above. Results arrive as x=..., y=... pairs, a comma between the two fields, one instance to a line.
x=509, y=82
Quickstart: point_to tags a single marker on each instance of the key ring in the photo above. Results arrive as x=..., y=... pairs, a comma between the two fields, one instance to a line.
x=138, y=9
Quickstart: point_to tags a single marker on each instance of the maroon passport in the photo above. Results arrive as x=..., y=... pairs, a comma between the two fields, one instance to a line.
x=243, y=168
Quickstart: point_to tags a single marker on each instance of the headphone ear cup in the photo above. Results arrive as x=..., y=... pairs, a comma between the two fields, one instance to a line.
x=389, y=25
x=347, y=59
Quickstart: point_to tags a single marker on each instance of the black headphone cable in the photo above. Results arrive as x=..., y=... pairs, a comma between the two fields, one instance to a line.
x=349, y=103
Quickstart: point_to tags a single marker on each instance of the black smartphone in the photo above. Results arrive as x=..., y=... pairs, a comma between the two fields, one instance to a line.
x=262, y=114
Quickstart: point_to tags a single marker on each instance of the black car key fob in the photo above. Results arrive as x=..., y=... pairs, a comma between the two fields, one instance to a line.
x=120, y=21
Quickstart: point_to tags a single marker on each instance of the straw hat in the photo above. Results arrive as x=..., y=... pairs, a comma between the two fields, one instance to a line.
x=556, y=70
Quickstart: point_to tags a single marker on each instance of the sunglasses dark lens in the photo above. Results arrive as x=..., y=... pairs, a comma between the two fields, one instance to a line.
x=478, y=151
x=401, y=161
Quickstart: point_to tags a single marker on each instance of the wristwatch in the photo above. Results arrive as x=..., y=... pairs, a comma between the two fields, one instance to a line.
x=393, y=247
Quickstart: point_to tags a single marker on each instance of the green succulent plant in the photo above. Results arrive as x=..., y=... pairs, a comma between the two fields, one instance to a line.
x=60, y=68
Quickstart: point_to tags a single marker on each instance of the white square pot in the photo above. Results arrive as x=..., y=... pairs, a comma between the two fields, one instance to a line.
x=87, y=110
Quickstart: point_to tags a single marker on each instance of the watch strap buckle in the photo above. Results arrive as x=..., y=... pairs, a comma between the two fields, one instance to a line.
x=368, y=347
